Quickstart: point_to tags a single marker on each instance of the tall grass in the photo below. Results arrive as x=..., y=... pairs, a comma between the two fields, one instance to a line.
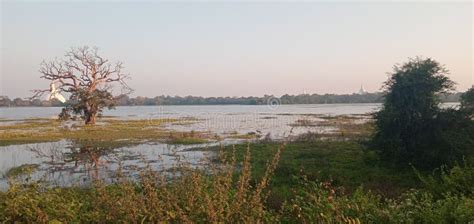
x=180, y=195
x=226, y=193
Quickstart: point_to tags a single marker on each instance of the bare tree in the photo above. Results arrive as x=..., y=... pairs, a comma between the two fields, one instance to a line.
x=88, y=78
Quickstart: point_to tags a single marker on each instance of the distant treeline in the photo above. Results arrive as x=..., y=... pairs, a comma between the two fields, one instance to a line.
x=124, y=100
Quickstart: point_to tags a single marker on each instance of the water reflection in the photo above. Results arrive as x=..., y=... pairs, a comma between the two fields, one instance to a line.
x=67, y=163
x=74, y=158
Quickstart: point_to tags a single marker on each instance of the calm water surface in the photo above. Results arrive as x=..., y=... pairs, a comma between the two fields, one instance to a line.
x=66, y=163
x=219, y=119
x=145, y=112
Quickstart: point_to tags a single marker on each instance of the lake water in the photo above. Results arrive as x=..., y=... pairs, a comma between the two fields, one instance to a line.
x=64, y=163
x=219, y=119
x=146, y=112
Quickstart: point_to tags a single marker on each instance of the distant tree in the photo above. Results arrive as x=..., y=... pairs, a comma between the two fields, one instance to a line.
x=138, y=101
x=21, y=103
x=37, y=103
x=46, y=103
x=467, y=100
x=123, y=100
x=88, y=78
x=411, y=127
x=5, y=101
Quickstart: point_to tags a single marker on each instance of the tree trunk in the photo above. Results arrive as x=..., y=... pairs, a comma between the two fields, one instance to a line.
x=90, y=113
x=90, y=118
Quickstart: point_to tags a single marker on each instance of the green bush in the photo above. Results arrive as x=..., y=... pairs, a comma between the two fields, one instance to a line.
x=412, y=128
x=467, y=100
x=320, y=202
x=456, y=181
x=422, y=207
x=34, y=204
x=446, y=198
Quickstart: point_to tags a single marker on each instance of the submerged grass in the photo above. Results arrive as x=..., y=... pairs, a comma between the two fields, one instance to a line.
x=345, y=126
x=21, y=170
x=108, y=130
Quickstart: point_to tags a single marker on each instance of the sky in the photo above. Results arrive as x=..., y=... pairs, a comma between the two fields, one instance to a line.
x=238, y=48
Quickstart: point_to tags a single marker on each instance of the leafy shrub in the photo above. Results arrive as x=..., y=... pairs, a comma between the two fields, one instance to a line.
x=320, y=202
x=412, y=128
x=447, y=197
x=422, y=207
x=456, y=181
x=33, y=204
x=467, y=101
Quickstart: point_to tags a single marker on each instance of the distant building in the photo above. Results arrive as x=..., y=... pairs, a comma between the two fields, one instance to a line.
x=362, y=90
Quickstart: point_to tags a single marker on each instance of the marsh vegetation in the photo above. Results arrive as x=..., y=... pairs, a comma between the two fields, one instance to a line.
x=309, y=177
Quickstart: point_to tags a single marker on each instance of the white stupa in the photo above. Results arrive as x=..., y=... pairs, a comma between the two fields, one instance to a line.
x=362, y=90
x=54, y=93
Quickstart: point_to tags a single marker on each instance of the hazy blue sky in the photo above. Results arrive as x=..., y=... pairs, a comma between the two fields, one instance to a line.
x=238, y=49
